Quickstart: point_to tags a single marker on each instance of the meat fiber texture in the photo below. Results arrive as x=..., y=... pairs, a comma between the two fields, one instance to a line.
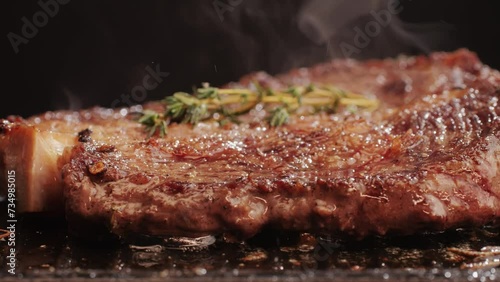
x=426, y=160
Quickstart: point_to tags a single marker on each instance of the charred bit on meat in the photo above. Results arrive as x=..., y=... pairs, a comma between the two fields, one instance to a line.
x=97, y=168
x=84, y=135
x=106, y=148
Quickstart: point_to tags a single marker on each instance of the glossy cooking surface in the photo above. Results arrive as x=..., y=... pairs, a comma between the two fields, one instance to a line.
x=46, y=252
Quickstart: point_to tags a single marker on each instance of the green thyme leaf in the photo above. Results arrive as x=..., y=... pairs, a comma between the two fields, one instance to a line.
x=296, y=93
x=229, y=116
x=153, y=122
x=195, y=113
x=279, y=116
x=207, y=92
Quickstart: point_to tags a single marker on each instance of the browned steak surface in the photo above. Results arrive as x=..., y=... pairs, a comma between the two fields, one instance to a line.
x=428, y=159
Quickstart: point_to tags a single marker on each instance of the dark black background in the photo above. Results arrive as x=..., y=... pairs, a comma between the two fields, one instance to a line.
x=93, y=51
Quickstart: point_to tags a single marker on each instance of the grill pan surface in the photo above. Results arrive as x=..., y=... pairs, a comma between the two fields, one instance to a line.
x=46, y=253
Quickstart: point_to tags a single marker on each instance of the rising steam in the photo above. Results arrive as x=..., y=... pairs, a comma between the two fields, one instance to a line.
x=370, y=29
x=194, y=43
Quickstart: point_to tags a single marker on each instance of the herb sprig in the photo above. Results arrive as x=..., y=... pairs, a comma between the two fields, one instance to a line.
x=207, y=101
x=154, y=122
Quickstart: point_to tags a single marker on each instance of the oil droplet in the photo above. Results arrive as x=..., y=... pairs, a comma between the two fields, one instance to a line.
x=200, y=271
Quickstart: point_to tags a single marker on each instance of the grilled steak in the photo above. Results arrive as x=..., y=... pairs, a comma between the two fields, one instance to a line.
x=427, y=159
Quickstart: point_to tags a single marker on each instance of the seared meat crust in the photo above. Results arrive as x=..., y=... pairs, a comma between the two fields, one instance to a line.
x=427, y=160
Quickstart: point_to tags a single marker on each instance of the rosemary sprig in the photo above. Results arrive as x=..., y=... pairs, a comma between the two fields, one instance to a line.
x=206, y=101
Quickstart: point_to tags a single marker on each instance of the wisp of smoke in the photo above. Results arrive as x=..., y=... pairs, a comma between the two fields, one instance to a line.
x=370, y=29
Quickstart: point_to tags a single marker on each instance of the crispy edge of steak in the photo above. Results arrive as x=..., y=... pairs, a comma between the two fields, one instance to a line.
x=35, y=149
x=438, y=170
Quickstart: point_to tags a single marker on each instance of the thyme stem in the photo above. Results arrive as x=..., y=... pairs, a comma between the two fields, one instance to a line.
x=206, y=101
